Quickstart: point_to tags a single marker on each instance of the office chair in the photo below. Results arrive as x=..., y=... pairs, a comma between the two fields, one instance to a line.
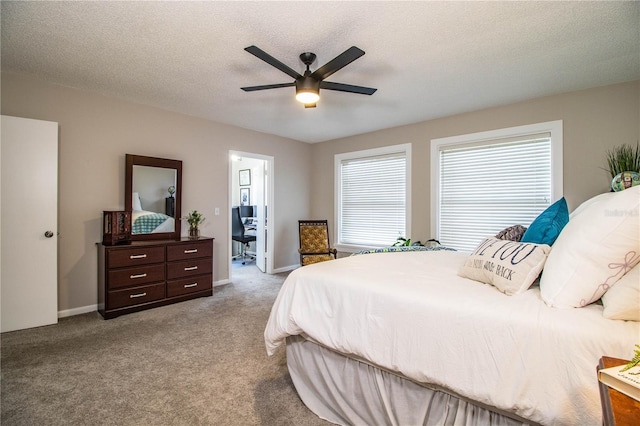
x=237, y=234
x=314, y=242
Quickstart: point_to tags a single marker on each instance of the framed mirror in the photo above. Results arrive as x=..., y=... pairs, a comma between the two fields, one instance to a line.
x=153, y=194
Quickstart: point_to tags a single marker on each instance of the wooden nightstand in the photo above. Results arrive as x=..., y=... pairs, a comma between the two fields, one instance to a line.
x=617, y=408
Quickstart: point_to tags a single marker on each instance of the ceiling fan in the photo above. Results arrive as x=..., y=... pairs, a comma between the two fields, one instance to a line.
x=308, y=85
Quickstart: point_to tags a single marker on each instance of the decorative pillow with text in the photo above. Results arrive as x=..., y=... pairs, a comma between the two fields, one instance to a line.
x=510, y=266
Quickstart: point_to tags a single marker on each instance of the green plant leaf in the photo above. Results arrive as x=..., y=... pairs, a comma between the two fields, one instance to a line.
x=623, y=158
x=635, y=361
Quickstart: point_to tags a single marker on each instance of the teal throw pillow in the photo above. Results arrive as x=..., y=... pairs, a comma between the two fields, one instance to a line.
x=546, y=228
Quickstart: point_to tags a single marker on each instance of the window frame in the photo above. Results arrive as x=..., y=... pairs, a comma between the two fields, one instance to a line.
x=338, y=158
x=554, y=128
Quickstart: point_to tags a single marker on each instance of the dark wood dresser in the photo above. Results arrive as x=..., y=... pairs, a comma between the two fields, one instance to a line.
x=147, y=274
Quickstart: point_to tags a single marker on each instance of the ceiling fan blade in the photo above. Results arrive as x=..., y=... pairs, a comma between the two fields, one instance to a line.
x=347, y=88
x=268, y=86
x=340, y=61
x=261, y=54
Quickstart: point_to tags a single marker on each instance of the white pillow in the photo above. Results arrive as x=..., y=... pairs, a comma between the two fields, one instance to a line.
x=510, y=266
x=597, y=247
x=135, y=201
x=622, y=301
x=595, y=199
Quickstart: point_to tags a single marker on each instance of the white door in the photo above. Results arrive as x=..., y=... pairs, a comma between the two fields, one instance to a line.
x=265, y=215
x=259, y=201
x=29, y=220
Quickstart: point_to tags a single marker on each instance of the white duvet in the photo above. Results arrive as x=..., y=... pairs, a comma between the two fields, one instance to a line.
x=411, y=313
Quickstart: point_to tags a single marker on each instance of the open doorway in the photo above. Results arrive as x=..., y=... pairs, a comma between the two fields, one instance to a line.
x=251, y=192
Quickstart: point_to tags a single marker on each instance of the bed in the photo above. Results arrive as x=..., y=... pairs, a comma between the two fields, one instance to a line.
x=146, y=222
x=402, y=338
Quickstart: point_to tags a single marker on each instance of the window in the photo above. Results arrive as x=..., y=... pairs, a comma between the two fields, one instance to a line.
x=484, y=182
x=372, y=197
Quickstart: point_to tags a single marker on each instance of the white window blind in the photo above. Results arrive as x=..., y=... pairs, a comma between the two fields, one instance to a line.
x=372, y=199
x=488, y=186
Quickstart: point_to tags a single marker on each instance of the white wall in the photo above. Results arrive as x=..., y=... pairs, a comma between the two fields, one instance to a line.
x=256, y=167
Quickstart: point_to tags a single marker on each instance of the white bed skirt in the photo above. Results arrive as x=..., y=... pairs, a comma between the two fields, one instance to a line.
x=346, y=391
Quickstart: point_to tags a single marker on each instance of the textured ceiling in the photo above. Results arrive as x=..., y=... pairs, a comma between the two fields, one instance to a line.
x=427, y=59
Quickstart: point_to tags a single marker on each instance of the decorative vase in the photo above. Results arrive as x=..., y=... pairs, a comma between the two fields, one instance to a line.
x=625, y=180
x=194, y=233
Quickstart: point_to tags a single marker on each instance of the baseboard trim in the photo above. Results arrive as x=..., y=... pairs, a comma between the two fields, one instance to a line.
x=286, y=269
x=77, y=311
x=221, y=282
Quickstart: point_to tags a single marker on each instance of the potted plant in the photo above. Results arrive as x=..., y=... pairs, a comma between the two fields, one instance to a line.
x=623, y=158
x=401, y=241
x=194, y=219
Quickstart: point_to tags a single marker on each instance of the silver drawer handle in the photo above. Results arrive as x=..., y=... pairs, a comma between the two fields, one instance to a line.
x=191, y=268
x=191, y=251
x=133, y=296
x=190, y=285
x=137, y=276
x=137, y=256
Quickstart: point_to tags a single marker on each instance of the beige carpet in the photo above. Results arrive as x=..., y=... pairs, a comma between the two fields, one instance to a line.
x=200, y=362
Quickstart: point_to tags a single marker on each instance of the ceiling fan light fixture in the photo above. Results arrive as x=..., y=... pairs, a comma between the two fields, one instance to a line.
x=307, y=90
x=308, y=85
x=307, y=96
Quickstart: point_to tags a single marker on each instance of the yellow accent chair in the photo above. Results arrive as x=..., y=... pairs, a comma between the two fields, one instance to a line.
x=314, y=242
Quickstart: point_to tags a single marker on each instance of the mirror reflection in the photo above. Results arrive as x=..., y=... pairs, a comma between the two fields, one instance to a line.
x=153, y=200
x=153, y=187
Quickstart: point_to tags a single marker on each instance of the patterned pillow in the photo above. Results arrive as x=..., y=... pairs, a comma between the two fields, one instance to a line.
x=509, y=266
x=512, y=233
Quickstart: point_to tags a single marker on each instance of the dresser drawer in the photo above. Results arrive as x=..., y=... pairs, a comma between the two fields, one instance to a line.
x=189, y=268
x=134, y=256
x=189, y=250
x=188, y=285
x=134, y=296
x=139, y=275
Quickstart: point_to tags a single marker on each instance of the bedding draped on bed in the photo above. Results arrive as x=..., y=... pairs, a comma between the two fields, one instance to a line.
x=411, y=314
x=396, y=249
x=145, y=222
x=346, y=391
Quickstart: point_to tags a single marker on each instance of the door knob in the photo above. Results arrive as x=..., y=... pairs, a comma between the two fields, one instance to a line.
x=48, y=234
